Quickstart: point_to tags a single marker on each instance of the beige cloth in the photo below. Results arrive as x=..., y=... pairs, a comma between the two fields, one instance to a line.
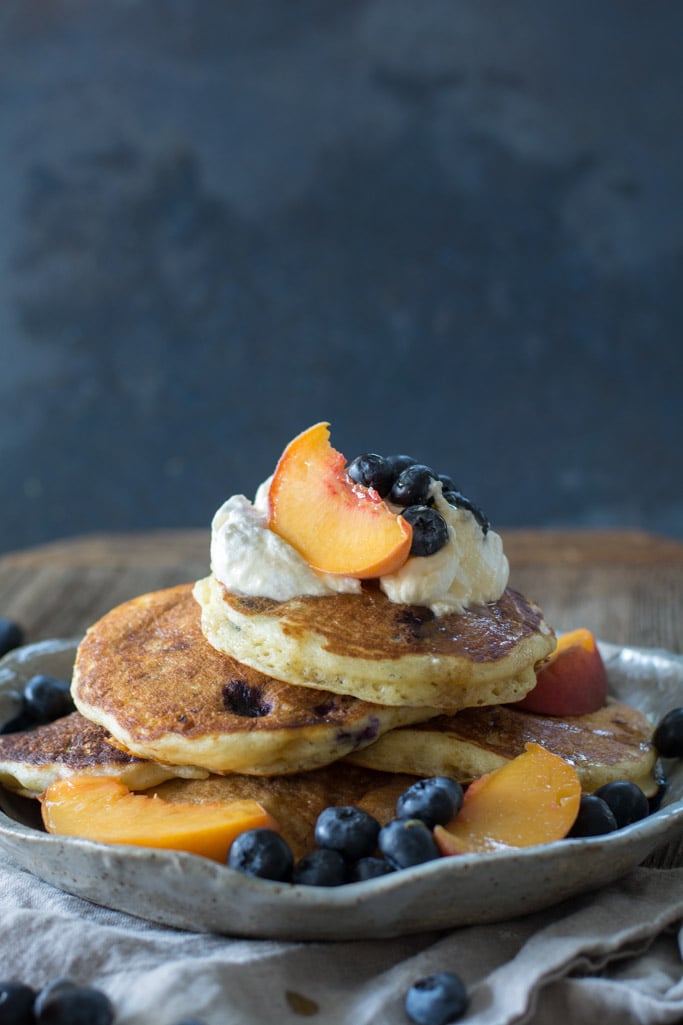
x=614, y=957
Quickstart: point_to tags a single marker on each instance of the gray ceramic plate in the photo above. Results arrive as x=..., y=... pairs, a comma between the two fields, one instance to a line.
x=193, y=893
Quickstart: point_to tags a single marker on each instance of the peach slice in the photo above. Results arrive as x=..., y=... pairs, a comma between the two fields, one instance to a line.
x=533, y=799
x=105, y=810
x=572, y=681
x=338, y=526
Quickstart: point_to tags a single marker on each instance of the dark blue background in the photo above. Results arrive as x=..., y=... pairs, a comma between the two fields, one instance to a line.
x=449, y=228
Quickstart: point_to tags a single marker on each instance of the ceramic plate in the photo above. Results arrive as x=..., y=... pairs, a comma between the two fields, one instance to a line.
x=193, y=893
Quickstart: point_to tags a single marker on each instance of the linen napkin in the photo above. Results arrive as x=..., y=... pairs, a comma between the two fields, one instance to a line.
x=613, y=957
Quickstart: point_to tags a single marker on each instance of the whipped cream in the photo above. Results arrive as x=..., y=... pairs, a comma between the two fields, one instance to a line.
x=250, y=559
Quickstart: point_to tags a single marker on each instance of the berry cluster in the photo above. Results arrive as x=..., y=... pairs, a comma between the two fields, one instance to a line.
x=43, y=699
x=408, y=484
x=351, y=844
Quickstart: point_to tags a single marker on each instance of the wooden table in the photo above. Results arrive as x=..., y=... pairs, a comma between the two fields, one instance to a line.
x=626, y=586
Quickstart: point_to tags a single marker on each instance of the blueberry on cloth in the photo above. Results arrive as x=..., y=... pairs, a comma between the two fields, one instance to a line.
x=430, y=530
x=668, y=736
x=69, y=1004
x=627, y=801
x=16, y=1003
x=434, y=801
x=46, y=698
x=594, y=817
x=372, y=471
x=412, y=486
x=11, y=635
x=347, y=829
x=261, y=852
x=321, y=867
x=438, y=999
x=407, y=842
x=369, y=868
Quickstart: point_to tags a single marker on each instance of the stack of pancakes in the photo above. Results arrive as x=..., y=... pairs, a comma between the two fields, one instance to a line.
x=202, y=695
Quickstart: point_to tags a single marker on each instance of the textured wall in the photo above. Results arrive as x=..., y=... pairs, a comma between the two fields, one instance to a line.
x=453, y=229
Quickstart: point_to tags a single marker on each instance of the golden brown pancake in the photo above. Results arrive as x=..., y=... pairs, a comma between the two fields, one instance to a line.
x=365, y=645
x=296, y=801
x=612, y=743
x=146, y=674
x=32, y=759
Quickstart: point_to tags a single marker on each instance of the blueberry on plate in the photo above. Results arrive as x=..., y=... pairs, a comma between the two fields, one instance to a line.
x=407, y=842
x=434, y=801
x=627, y=801
x=594, y=818
x=16, y=1003
x=45, y=698
x=68, y=1004
x=261, y=852
x=347, y=829
x=430, y=530
x=413, y=486
x=369, y=868
x=372, y=471
x=322, y=867
x=668, y=736
x=11, y=635
x=438, y=999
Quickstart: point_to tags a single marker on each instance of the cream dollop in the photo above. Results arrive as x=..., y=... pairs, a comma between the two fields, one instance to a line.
x=250, y=559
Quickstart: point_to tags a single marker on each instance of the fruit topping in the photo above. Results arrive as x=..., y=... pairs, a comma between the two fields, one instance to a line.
x=572, y=681
x=434, y=801
x=369, y=868
x=372, y=471
x=668, y=736
x=321, y=867
x=43, y=699
x=594, y=817
x=438, y=999
x=11, y=635
x=626, y=800
x=430, y=530
x=532, y=799
x=407, y=842
x=413, y=486
x=262, y=852
x=349, y=830
x=105, y=810
x=337, y=525
x=459, y=501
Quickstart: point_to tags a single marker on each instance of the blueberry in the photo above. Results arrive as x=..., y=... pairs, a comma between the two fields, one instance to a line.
x=22, y=721
x=595, y=817
x=434, y=801
x=627, y=801
x=189, y=1021
x=16, y=1003
x=668, y=737
x=68, y=1004
x=399, y=463
x=373, y=471
x=430, y=530
x=11, y=635
x=412, y=486
x=263, y=853
x=447, y=482
x=347, y=829
x=369, y=868
x=46, y=698
x=322, y=867
x=457, y=499
x=406, y=842
x=437, y=999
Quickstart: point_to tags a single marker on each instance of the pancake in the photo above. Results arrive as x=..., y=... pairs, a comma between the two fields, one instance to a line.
x=613, y=743
x=377, y=650
x=146, y=674
x=32, y=759
x=296, y=801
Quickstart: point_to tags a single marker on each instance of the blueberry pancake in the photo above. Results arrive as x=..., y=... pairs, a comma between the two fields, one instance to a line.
x=146, y=674
x=613, y=743
x=32, y=759
x=378, y=650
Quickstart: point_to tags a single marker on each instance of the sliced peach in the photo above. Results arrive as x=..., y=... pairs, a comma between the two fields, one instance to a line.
x=338, y=526
x=533, y=799
x=572, y=681
x=105, y=810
